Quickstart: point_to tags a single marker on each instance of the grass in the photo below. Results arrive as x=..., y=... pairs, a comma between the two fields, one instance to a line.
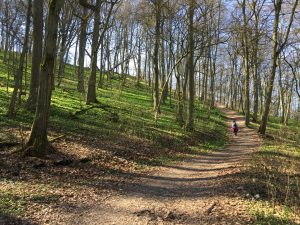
x=132, y=105
x=15, y=196
x=264, y=214
x=274, y=174
x=132, y=138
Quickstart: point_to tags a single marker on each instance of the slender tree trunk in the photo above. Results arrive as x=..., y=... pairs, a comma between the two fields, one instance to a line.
x=288, y=108
x=82, y=45
x=190, y=119
x=2, y=36
x=76, y=53
x=281, y=93
x=256, y=66
x=146, y=60
x=158, y=4
x=179, y=115
x=204, y=78
x=7, y=33
x=149, y=63
x=139, y=62
x=275, y=55
x=163, y=65
x=91, y=94
x=19, y=74
x=102, y=65
x=62, y=49
x=255, y=89
x=246, y=66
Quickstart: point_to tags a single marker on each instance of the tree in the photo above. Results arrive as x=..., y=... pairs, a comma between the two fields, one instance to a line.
x=67, y=33
x=96, y=41
x=245, y=46
x=16, y=95
x=190, y=65
x=38, y=144
x=277, y=49
x=157, y=5
x=37, y=52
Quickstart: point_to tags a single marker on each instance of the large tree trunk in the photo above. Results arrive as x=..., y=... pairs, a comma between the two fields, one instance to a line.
x=190, y=119
x=19, y=74
x=38, y=144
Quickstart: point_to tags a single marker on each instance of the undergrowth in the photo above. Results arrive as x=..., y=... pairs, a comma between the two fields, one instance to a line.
x=274, y=175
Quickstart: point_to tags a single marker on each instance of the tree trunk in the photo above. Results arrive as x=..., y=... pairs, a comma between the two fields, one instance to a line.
x=149, y=63
x=179, y=115
x=61, y=56
x=288, y=108
x=19, y=74
x=158, y=4
x=38, y=144
x=190, y=119
x=91, y=94
x=246, y=66
x=275, y=55
x=139, y=62
x=281, y=93
x=256, y=66
x=82, y=45
x=163, y=65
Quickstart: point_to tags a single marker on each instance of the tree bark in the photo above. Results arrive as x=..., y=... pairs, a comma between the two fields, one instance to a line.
x=91, y=94
x=82, y=45
x=246, y=66
x=190, y=119
x=158, y=4
x=275, y=54
x=38, y=144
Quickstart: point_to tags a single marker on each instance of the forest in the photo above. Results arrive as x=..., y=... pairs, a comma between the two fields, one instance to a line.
x=123, y=112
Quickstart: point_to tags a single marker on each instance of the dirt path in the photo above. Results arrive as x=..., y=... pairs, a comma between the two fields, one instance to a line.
x=202, y=190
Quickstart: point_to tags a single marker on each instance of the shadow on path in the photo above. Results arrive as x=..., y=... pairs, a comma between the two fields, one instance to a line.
x=200, y=190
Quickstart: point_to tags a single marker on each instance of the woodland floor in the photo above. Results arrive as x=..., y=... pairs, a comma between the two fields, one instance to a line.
x=201, y=190
x=204, y=189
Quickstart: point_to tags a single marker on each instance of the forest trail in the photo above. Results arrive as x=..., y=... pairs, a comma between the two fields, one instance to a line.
x=205, y=189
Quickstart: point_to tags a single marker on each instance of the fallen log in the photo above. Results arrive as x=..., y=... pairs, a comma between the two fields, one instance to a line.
x=114, y=117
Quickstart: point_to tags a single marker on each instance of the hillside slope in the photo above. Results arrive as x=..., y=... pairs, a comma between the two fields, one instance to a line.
x=95, y=144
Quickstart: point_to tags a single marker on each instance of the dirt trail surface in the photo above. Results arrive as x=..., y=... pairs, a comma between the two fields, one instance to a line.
x=205, y=189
